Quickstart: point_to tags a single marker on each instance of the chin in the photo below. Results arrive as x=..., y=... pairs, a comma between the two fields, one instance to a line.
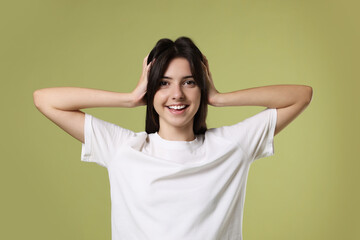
x=178, y=124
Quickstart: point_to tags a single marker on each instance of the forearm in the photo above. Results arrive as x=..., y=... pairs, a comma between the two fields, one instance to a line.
x=273, y=96
x=74, y=98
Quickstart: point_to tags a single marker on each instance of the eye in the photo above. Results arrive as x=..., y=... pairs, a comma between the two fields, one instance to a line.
x=163, y=83
x=190, y=82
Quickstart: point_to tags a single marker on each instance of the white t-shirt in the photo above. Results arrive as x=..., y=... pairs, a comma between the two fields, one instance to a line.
x=178, y=190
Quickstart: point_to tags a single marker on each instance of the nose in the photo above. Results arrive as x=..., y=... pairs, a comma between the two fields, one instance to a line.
x=177, y=92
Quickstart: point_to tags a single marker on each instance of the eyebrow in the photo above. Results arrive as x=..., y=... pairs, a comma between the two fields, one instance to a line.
x=190, y=76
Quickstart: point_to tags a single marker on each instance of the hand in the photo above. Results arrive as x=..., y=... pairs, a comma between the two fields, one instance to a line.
x=139, y=92
x=212, y=92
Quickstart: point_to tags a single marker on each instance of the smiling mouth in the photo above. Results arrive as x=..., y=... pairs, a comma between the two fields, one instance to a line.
x=177, y=107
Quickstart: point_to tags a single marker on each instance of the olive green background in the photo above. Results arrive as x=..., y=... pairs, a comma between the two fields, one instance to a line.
x=308, y=190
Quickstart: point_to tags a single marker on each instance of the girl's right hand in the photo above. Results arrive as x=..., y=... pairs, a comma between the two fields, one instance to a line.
x=139, y=92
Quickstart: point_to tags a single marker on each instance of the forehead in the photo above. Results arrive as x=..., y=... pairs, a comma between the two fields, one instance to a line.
x=178, y=67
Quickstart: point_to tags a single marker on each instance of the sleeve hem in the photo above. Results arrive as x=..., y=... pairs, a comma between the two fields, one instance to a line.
x=86, y=146
x=270, y=143
x=270, y=148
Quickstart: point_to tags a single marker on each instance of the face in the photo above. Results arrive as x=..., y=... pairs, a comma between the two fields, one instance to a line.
x=178, y=98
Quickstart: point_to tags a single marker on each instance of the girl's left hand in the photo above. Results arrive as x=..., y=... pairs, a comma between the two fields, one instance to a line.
x=212, y=92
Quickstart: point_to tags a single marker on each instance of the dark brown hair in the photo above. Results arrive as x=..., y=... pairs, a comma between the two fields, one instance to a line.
x=164, y=51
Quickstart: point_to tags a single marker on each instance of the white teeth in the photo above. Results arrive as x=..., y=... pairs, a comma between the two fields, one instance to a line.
x=177, y=107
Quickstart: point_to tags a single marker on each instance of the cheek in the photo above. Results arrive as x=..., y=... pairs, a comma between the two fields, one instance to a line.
x=159, y=99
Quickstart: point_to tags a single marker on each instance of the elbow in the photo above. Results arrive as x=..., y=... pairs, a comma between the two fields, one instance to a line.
x=37, y=96
x=309, y=94
x=305, y=95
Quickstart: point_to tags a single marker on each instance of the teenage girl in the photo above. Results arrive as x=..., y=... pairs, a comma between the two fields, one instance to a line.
x=177, y=180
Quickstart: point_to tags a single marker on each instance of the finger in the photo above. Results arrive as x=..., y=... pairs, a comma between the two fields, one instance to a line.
x=204, y=66
x=151, y=63
x=206, y=61
x=204, y=57
x=145, y=61
x=149, y=66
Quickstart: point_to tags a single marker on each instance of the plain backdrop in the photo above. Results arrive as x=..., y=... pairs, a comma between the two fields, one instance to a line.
x=308, y=190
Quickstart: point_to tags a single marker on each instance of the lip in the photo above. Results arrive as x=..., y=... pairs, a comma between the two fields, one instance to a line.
x=177, y=112
x=180, y=104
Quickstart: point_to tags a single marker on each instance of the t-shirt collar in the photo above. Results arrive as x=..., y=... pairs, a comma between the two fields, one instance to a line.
x=177, y=144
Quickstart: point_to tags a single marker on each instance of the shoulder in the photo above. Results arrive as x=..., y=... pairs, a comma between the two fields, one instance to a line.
x=106, y=129
x=253, y=123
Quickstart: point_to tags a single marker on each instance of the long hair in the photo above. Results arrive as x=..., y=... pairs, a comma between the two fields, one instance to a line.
x=164, y=51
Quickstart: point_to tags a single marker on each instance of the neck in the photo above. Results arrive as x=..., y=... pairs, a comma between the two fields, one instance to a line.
x=177, y=134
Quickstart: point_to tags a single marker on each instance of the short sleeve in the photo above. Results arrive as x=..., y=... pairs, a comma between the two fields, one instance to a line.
x=101, y=139
x=255, y=135
x=260, y=130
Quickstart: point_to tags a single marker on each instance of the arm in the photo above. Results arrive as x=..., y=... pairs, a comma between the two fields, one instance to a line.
x=274, y=96
x=74, y=98
x=61, y=105
x=289, y=100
